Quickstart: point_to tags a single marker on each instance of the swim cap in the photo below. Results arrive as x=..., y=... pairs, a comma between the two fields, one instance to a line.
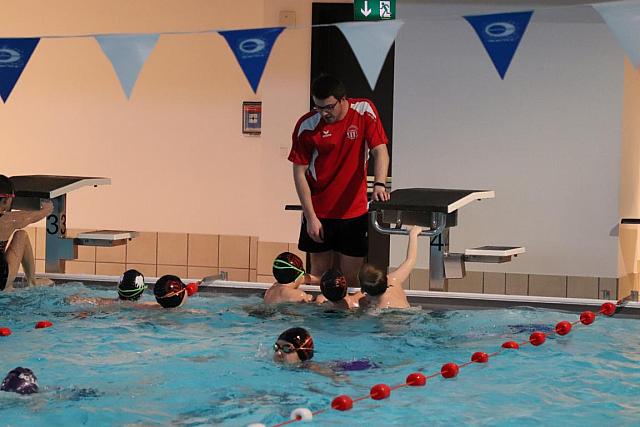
x=372, y=280
x=301, y=340
x=287, y=267
x=21, y=381
x=169, y=291
x=333, y=285
x=131, y=285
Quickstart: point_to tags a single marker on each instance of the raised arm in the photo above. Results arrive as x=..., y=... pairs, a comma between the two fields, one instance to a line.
x=403, y=272
x=21, y=219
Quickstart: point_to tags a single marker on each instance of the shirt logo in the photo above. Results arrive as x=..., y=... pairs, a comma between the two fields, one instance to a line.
x=326, y=133
x=352, y=132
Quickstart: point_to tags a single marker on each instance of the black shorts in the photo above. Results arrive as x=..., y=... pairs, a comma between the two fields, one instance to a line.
x=347, y=236
x=4, y=271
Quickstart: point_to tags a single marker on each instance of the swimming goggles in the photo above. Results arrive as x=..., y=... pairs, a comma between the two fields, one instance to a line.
x=2, y=196
x=280, y=264
x=288, y=348
x=173, y=291
x=131, y=292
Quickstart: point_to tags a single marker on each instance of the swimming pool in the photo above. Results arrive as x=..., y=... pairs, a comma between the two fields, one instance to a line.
x=210, y=364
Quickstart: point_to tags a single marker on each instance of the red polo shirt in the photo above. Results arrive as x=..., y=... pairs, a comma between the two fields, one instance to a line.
x=336, y=155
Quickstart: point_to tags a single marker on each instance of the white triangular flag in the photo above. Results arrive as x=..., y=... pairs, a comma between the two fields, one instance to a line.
x=623, y=20
x=127, y=54
x=370, y=42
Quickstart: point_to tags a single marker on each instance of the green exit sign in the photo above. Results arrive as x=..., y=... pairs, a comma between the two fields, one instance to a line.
x=374, y=10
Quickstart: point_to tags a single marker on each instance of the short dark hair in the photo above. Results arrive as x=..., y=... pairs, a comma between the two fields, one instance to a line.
x=372, y=280
x=326, y=85
x=333, y=285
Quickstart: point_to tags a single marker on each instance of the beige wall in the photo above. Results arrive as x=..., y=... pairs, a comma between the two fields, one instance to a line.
x=175, y=151
x=630, y=180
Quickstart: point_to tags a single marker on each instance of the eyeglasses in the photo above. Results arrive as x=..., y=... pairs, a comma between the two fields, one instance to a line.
x=326, y=108
x=288, y=348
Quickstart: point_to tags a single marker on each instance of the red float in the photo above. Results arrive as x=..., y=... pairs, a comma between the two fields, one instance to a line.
x=510, y=344
x=587, y=317
x=380, y=391
x=537, y=338
x=608, y=309
x=5, y=332
x=342, y=403
x=480, y=357
x=43, y=324
x=192, y=288
x=416, y=379
x=449, y=370
x=563, y=328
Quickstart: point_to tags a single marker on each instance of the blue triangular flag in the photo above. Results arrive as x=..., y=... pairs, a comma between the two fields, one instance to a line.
x=14, y=56
x=370, y=42
x=127, y=54
x=252, y=49
x=500, y=33
x=623, y=20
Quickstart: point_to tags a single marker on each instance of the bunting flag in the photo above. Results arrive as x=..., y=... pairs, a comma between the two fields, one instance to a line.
x=14, y=56
x=500, y=33
x=127, y=54
x=252, y=49
x=623, y=20
x=370, y=42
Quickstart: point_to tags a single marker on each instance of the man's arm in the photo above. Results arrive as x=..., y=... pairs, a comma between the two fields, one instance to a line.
x=380, y=171
x=402, y=273
x=21, y=219
x=314, y=227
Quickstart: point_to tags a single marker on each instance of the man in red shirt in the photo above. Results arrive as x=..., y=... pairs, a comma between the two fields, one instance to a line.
x=331, y=146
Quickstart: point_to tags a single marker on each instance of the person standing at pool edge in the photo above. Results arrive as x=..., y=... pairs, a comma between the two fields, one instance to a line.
x=18, y=250
x=329, y=154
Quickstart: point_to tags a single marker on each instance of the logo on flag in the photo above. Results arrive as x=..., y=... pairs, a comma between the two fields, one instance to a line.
x=252, y=49
x=500, y=35
x=14, y=56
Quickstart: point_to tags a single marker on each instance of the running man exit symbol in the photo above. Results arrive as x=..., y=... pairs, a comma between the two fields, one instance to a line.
x=385, y=9
x=374, y=10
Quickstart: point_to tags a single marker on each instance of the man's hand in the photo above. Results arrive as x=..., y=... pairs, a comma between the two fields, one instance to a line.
x=314, y=230
x=380, y=194
x=415, y=230
x=47, y=206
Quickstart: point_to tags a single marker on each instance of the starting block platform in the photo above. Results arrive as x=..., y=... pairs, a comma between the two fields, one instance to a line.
x=437, y=210
x=30, y=189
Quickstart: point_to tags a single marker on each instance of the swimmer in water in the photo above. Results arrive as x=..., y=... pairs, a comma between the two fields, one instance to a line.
x=288, y=271
x=170, y=292
x=333, y=286
x=294, y=347
x=385, y=290
x=20, y=380
x=130, y=288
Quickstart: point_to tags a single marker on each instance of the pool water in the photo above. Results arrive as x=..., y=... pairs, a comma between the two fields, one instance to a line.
x=209, y=364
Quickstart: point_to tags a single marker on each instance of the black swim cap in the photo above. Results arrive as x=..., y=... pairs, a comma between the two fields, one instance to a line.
x=287, y=267
x=131, y=285
x=301, y=340
x=169, y=291
x=21, y=381
x=333, y=285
